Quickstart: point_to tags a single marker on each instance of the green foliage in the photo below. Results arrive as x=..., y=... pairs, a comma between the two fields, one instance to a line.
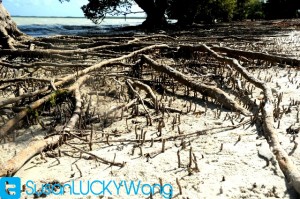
x=225, y=9
x=189, y=11
x=52, y=100
x=249, y=9
x=55, y=95
x=255, y=9
x=96, y=10
x=33, y=114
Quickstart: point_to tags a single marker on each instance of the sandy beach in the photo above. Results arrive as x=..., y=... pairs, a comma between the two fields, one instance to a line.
x=186, y=142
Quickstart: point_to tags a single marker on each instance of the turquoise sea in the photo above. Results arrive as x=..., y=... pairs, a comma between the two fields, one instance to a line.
x=47, y=26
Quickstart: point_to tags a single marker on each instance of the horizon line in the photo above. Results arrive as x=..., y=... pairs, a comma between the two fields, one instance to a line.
x=129, y=17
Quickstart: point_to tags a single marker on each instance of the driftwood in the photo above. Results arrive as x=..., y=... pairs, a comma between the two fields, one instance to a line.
x=36, y=147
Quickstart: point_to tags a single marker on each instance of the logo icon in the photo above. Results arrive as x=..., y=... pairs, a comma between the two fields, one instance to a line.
x=10, y=188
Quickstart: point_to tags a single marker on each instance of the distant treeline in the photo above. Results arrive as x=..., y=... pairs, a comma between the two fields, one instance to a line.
x=189, y=11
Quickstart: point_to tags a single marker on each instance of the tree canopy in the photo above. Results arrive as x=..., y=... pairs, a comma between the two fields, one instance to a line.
x=97, y=10
x=190, y=11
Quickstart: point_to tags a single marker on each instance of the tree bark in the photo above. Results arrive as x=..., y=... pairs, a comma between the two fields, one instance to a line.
x=211, y=91
x=8, y=29
x=289, y=169
x=155, y=10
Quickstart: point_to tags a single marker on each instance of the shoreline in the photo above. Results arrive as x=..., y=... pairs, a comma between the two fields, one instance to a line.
x=70, y=17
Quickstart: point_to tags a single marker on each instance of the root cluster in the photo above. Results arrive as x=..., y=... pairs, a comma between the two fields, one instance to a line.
x=62, y=84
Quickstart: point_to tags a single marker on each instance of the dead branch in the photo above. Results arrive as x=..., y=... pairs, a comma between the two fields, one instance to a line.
x=41, y=64
x=62, y=54
x=12, y=100
x=76, y=113
x=146, y=88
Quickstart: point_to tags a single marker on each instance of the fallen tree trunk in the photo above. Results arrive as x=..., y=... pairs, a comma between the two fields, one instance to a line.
x=211, y=91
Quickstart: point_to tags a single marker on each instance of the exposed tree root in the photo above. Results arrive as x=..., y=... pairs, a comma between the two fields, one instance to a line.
x=258, y=55
x=211, y=91
x=12, y=166
x=12, y=122
x=33, y=77
x=80, y=73
x=287, y=166
x=62, y=54
x=36, y=147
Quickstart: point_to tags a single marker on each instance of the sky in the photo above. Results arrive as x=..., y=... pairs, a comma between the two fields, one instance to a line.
x=46, y=8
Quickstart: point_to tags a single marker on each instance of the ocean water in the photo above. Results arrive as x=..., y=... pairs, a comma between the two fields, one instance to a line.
x=47, y=26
